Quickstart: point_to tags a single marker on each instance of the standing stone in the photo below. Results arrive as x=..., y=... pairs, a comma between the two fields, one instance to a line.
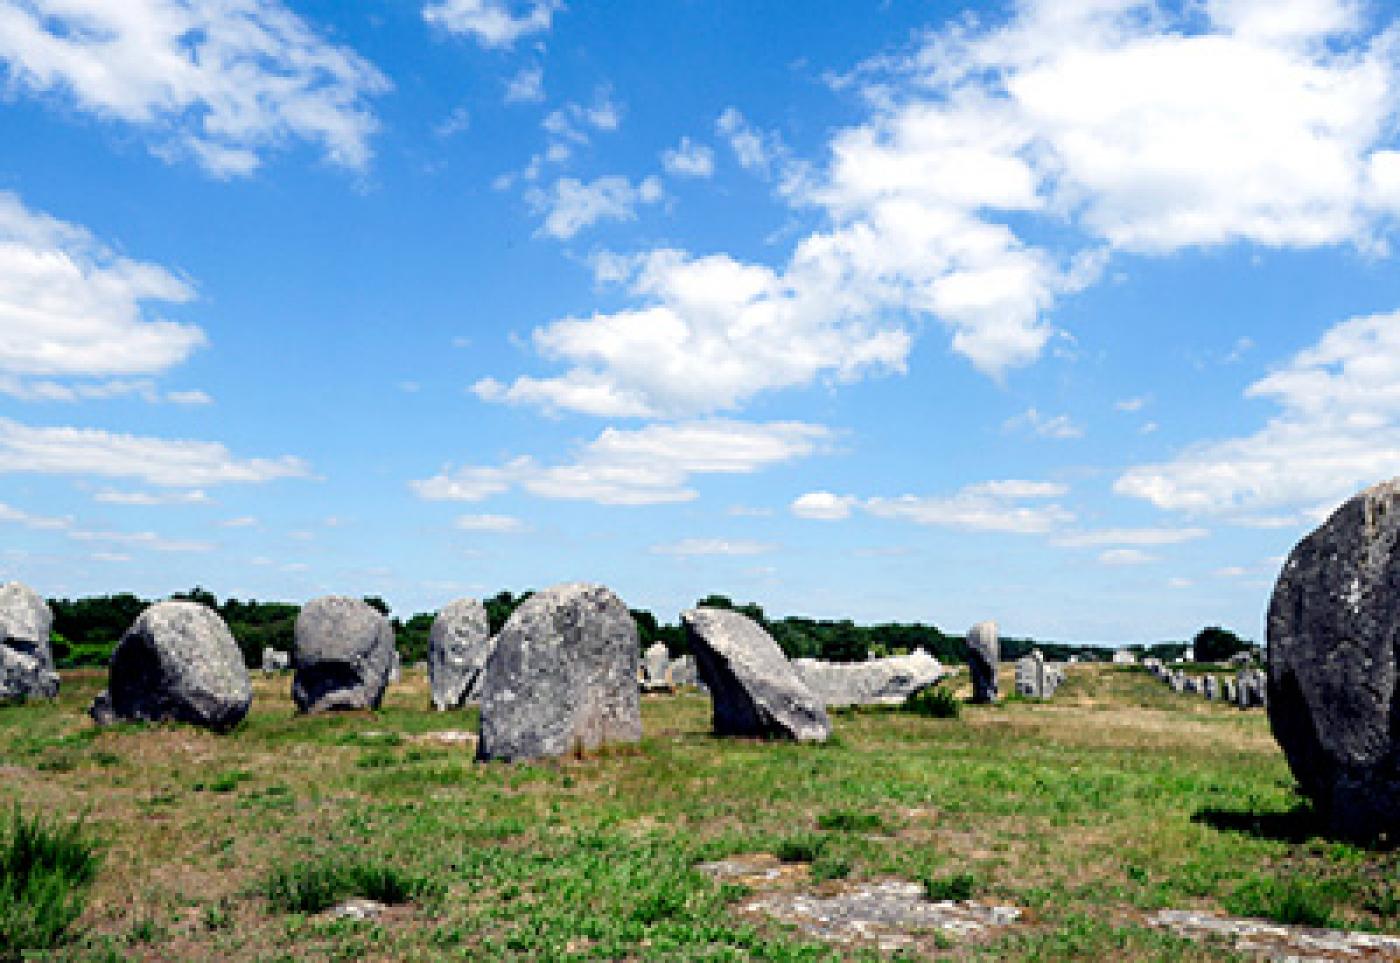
x=1036, y=678
x=275, y=660
x=458, y=646
x=1178, y=681
x=983, y=655
x=26, y=660
x=343, y=656
x=754, y=690
x=887, y=681
x=177, y=663
x=1210, y=688
x=1334, y=664
x=395, y=666
x=562, y=677
x=656, y=669
x=683, y=671
x=1227, y=691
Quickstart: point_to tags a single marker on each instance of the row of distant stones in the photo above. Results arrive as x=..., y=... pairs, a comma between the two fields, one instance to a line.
x=1248, y=690
x=563, y=675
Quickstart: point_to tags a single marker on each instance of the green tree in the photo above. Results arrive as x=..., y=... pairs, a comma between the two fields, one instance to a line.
x=1214, y=644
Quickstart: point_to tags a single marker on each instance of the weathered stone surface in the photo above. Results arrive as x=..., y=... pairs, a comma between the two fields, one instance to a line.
x=983, y=656
x=1227, y=691
x=656, y=669
x=1036, y=678
x=275, y=660
x=562, y=677
x=1334, y=659
x=874, y=682
x=754, y=690
x=23, y=676
x=343, y=656
x=1276, y=941
x=1210, y=688
x=26, y=622
x=458, y=646
x=177, y=663
x=683, y=671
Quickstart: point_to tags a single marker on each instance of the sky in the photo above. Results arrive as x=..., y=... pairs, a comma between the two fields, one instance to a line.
x=1072, y=314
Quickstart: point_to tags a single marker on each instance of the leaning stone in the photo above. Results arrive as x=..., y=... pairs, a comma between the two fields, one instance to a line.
x=26, y=622
x=562, y=677
x=754, y=690
x=177, y=663
x=886, y=681
x=458, y=646
x=344, y=654
x=1334, y=661
x=983, y=656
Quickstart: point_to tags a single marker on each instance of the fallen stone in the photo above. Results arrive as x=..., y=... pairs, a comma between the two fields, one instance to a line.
x=983, y=657
x=886, y=681
x=177, y=663
x=754, y=690
x=343, y=656
x=562, y=677
x=1276, y=941
x=356, y=909
x=458, y=646
x=1334, y=663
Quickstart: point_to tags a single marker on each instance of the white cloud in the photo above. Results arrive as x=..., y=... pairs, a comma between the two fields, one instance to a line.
x=192, y=397
x=995, y=506
x=572, y=205
x=68, y=526
x=492, y=524
x=1338, y=430
x=754, y=149
x=1179, y=582
x=493, y=23
x=1232, y=571
x=216, y=80
x=688, y=547
x=689, y=159
x=1046, y=426
x=458, y=121
x=526, y=87
x=1125, y=556
x=155, y=461
x=823, y=506
x=1130, y=536
x=242, y=521
x=646, y=466
x=113, y=497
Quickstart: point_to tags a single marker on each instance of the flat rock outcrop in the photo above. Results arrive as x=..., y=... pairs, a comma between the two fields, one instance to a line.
x=343, y=656
x=26, y=659
x=886, y=681
x=754, y=690
x=562, y=677
x=1334, y=639
x=458, y=646
x=983, y=657
x=177, y=663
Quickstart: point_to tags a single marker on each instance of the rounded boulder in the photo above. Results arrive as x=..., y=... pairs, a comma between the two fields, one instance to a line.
x=343, y=655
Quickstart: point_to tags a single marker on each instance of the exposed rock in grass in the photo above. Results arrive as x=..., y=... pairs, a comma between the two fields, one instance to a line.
x=875, y=682
x=177, y=663
x=1334, y=663
x=26, y=661
x=562, y=677
x=983, y=655
x=1275, y=941
x=356, y=909
x=754, y=689
x=458, y=646
x=344, y=654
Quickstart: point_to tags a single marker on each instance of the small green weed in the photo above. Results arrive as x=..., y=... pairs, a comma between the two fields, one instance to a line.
x=957, y=887
x=828, y=866
x=850, y=821
x=1296, y=902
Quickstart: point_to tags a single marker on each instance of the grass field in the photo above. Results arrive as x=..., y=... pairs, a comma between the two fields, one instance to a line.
x=1117, y=798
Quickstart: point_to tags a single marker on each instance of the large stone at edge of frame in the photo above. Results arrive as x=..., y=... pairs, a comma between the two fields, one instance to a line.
x=887, y=681
x=754, y=690
x=1334, y=643
x=343, y=656
x=177, y=663
x=26, y=660
x=562, y=677
x=983, y=657
x=458, y=646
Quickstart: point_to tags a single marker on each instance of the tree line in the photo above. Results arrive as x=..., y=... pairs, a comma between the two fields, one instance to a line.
x=86, y=629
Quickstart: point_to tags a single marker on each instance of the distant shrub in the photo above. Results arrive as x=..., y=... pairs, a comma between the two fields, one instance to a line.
x=45, y=873
x=314, y=887
x=934, y=702
x=850, y=821
x=959, y=886
x=800, y=849
x=1295, y=902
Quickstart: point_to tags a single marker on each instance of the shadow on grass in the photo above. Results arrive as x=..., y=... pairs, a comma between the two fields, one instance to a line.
x=1296, y=825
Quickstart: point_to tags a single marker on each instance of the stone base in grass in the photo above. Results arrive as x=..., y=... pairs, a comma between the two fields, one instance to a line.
x=1275, y=941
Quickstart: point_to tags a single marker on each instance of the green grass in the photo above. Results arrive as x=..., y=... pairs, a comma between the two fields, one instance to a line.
x=934, y=702
x=1088, y=811
x=958, y=886
x=1290, y=900
x=45, y=871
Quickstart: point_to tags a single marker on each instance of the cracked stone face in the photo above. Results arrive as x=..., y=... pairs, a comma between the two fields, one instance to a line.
x=343, y=657
x=458, y=646
x=27, y=669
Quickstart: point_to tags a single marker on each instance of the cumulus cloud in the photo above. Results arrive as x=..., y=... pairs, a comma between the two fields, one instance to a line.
x=69, y=527
x=689, y=159
x=493, y=23
x=1337, y=430
x=992, y=506
x=688, y=547
x=823, y=506
x=1112, y=126
x=1046, y=426
x=646, y=466
x=526, y=87
x=572, y=205
x=1130, y=536
x=114, y=497
x=216, y=80
x=155, y=461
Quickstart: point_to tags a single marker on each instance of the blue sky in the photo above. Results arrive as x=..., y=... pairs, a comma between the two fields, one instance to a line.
x=1075, y=315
